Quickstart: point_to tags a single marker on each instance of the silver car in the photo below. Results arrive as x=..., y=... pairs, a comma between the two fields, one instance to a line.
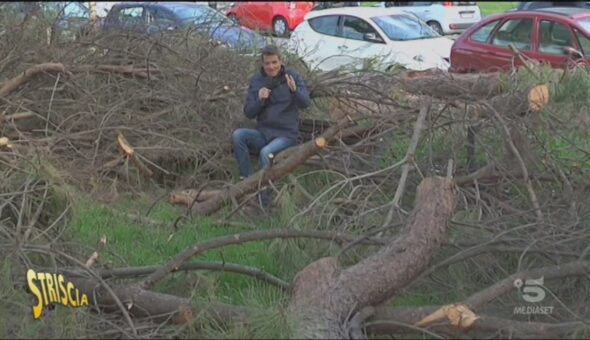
x=447, y=17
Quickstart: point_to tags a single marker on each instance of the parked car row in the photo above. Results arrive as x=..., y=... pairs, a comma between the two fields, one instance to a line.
x=154, y=17
x=398, y=33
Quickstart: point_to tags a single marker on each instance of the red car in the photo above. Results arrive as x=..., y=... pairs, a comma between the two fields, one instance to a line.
x=555, y=35
x=278, y=17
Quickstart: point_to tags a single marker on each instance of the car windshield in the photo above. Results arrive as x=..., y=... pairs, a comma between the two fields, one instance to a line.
x=403, y=27
x=202, y=15
x=585, y=23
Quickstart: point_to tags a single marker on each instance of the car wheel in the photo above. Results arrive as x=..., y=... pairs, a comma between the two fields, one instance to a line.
x=280, y=27
x=436, y=27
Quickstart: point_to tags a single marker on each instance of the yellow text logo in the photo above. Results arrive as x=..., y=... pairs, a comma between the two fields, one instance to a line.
x=52, y=288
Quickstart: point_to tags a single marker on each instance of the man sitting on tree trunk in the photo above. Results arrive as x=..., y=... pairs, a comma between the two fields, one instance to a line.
x=274, y=98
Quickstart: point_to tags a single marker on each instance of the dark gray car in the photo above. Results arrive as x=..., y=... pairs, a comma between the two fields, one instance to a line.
x=154, y=17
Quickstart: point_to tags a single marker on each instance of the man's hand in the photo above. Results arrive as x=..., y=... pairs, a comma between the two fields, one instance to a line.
x=291, y=83
x=263, y=94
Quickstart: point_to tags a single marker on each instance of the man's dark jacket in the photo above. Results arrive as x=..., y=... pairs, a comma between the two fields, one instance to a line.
x=278, y=116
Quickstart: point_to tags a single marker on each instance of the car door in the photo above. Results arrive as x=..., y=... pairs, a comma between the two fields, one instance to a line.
x=584, y=43
x=554, y=36
x=246, y=14
x=319, y=43
x=159, y=19
x=359, y=42
x=465, y=54
x=516, y=31
x=262, y=14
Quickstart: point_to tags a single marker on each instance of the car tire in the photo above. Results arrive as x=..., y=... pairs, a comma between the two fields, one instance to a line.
x=436, y=27
x=280, y=27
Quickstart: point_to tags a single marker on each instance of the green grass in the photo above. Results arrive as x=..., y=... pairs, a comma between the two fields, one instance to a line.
x=489, y=8
x=130, y=244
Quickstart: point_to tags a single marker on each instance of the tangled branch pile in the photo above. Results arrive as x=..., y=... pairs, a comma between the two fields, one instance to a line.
x=503, y=194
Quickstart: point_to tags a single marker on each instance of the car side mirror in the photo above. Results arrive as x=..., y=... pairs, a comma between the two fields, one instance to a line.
x=372, y=37
x=573, y=53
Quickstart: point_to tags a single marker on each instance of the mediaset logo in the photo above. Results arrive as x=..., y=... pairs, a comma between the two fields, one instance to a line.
x=532, y=291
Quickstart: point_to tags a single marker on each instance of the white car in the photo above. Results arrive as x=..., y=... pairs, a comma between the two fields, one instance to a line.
x=356, y=37
x=445, y=17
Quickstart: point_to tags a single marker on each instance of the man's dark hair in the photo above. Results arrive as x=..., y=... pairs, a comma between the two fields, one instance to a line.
x=270, y=50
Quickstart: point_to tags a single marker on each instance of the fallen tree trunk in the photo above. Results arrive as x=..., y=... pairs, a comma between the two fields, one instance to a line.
x=324, y=295
x=447, y=86
x=157, y=306
x=289, y=161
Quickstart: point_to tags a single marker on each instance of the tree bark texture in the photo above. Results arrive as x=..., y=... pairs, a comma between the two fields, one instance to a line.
x=326, y=296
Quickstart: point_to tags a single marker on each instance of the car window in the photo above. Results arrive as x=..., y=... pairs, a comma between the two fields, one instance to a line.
x=326, y=25
x=356, y=28
x=403, y=27
x=584, y=42
x=516, y=32
x=585, y=23
x=131, y=15
x=75, y=10
x=554, y=37
x=420, y=3
x=202, y=15
x=482, y=34
x=160, y=17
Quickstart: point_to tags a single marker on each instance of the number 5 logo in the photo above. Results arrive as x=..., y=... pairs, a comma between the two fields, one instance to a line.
x=533, y=289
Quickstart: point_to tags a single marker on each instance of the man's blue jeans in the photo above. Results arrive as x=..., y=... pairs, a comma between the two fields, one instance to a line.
x=248, y=141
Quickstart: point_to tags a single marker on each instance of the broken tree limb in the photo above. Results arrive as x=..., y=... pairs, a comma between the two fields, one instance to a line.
x=289, y=161
x=223, y=241
x=324, y=295
x=13, y=84
x=409, y=159
x=390, y=321
x=532, y=99
x=157, y=306
x=188, y=196
x=131, y=70
x=525, y=173
x=133, y=272
x=442, y=85
x=129, y=152
x=484, y=296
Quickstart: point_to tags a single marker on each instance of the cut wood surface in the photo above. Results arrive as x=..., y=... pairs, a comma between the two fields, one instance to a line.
x=129, y=152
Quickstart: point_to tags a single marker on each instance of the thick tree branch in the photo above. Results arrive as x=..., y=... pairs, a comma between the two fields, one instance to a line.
x=324, y=296
x=13, y=84
x=388, y=320
x=286, y=162
x=223, y=241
